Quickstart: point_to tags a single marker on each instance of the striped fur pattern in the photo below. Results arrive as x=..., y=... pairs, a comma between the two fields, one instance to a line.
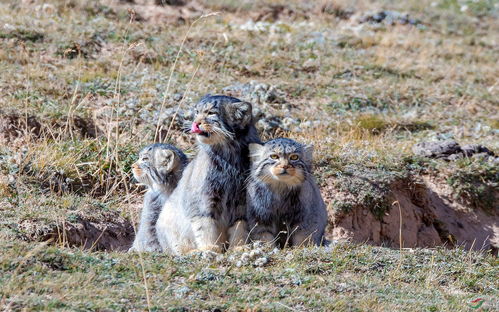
x=209, y=204
x=159, y=168
x=285, y=206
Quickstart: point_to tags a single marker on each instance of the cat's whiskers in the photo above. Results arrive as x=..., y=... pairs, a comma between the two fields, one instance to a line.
x=229, y=135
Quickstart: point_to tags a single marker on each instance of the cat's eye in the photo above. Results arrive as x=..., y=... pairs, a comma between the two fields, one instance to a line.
x=274, y=156
x=145, y=158
x=294, y=157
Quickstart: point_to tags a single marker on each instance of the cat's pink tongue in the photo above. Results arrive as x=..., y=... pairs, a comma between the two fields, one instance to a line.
x=195, y=128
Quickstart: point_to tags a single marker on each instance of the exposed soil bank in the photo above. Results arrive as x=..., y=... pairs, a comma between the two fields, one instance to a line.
x=112, y=234
x=423, y=214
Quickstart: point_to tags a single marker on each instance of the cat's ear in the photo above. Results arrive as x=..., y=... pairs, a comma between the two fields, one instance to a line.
x=166, y=159
x=255, y=150
x=239, y=113
x=308, y=152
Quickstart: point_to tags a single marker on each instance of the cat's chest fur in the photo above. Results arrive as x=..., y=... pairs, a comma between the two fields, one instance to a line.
x=282, y=204
x=223, y=181
x=221, y=185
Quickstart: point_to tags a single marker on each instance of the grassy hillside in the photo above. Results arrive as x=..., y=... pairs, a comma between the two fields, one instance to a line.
x=85, y=84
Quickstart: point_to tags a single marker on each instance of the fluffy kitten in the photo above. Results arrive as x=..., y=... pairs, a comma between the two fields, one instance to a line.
x=284, y=202
x=209, y=205
x=159, y=167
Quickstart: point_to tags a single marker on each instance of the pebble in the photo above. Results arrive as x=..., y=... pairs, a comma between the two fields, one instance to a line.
x=390, y=18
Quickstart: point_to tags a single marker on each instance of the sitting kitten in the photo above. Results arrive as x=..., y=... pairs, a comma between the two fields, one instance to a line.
x=283, y=196
x=210, y=196
x=159, y=167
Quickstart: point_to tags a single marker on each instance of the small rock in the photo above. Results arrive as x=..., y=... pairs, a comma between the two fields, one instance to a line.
x=209, y=255
x=256, y=92
x=455, y=157
x=390, y=18
x=289, y=122
x=174, y=116
x=472, y=149
x=258, y=244
x=182, y=291
x=436, y=149
x=268, y=124
x=481, y=156
x=261, y=262
x=178, y=96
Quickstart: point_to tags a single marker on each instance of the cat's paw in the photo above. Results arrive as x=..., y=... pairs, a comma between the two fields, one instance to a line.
x=204, y=254
x=239, y=248
x=212, y=248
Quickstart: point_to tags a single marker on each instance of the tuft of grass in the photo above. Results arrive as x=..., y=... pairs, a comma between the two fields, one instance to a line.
x=371, y=123
x=376, y=124
x=364, y=187
x=494, y=123
x=79, y=166
x=476, y=182
x=22, y=35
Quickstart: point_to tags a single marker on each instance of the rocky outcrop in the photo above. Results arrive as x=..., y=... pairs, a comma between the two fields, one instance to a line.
x=451, y=150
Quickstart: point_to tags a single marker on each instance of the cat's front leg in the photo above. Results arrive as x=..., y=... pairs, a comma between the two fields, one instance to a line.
x=207, y=234
x=142, y=241
x=173, y=230
x=263, y=232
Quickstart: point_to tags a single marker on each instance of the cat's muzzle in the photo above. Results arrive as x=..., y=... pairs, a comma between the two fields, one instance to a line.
x=283, y=171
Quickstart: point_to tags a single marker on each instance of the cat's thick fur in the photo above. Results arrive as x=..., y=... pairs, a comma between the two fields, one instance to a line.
x=159, y=168
x=285, y=206
x=208, y=208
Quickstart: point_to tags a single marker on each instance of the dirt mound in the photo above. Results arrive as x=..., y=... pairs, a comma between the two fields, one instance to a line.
x=114, y=234
x=15, y=127
x=422, y=214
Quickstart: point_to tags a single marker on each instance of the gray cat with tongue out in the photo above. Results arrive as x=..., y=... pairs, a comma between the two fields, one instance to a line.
x=207, y=210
